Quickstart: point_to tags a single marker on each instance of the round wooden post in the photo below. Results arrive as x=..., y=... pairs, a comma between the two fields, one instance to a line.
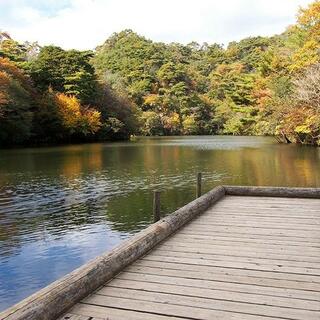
x=199, y=184
x=156, y=206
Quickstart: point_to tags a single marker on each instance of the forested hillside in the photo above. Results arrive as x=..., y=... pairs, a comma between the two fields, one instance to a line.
x=132, y=85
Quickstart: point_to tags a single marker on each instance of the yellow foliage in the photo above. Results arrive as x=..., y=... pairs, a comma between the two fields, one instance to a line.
x=151, y=99
x=11, y=69
x=75, y=118
x=309, y=19
x=92, y=119
x=189, y=125
x=305, y=56
x=301, y=124
x=172, y=123
x=69, y=109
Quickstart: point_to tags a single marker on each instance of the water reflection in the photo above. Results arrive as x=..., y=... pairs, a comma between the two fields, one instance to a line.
x=61, y=206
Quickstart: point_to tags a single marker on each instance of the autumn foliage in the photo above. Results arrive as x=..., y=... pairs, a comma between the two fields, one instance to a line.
x=132, y=85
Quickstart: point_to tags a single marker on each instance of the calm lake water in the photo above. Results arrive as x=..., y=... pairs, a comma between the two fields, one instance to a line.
x=62, y=206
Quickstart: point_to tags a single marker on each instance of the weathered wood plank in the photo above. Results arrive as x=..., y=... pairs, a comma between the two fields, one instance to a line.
x=236, y=220
x=228, y=277
x=246, y=214
x=295, y=250
x=208, y=270
x=70, y=316
x=105, y=313
x=243, y=234
x=244, y=241
x=261, y=231
x=234, y=265
x=254, y=224
x=222, y=286
x=312, y=232
x=203, y=302
x=166, y=309
x=215, y=294
x=242, y=252
x=230, y=258
x=249, y=238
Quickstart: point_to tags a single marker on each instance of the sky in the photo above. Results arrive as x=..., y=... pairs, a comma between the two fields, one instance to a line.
x=84, y=24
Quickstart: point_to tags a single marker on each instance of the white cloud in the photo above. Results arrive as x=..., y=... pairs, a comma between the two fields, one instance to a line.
x=84, y=24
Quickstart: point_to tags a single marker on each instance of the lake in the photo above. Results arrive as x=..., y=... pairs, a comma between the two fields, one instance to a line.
x=62, y=206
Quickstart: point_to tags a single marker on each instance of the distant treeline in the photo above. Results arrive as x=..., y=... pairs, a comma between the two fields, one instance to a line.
x=132, y=85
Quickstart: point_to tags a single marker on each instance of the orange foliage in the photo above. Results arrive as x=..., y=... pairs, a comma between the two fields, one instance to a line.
x=12, y=70
x=301, y=124
x=75, y=118
x=309, y=18
x=4, y=84
x=261, y=93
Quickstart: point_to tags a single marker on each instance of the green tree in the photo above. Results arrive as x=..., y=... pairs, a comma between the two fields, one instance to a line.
x=64, y=71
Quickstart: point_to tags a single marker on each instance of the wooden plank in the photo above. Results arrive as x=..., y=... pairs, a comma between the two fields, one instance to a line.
x=227, y=277
x=230, y=247
x=274, y=220
x=308, y=253
x=211, y=284
x=205, y=303
x=256, y=229
x=255, y=207
x=230, y=258
x=169, y=310
x=273, y=212
x=105, y=313
x=232, y=264
x=208, y=270
x=263, y=231
x=241, y=252
x=264, y=213
x=242, y=241
x=70, y=316
x=215, y=294
x=254, y=224
x=245, y=235
x=249, y=238
x=211, y=244
x=300, y=229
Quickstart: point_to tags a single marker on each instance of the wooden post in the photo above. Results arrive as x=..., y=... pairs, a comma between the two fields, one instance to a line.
x=199, y=184
x=156, y=206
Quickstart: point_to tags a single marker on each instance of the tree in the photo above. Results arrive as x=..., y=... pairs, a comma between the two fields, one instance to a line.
x=77, y=120
x=16, y=104
x=64, y=71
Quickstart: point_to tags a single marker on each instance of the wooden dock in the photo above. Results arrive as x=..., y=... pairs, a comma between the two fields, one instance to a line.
x=235, y=253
